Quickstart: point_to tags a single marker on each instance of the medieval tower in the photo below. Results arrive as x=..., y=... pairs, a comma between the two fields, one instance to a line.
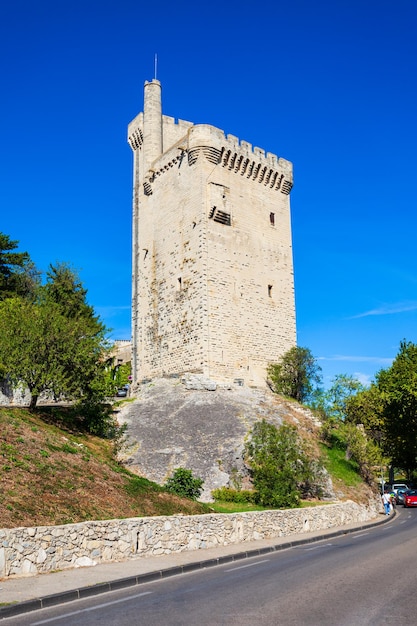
x=213, y=285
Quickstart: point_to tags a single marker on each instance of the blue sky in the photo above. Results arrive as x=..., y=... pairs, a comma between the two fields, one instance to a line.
x=328, y=85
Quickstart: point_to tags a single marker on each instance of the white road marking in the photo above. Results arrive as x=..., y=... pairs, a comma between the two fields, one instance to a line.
x=318, y=547
x=233, y=569
x=93, y=608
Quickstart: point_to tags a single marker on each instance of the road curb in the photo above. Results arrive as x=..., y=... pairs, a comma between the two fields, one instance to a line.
x=48, y=601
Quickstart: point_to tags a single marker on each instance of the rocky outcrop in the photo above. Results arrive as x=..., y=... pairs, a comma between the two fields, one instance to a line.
x=194, y=423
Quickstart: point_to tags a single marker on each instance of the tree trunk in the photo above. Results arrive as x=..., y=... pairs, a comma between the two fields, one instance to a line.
x=33, y=402
x=391, y=474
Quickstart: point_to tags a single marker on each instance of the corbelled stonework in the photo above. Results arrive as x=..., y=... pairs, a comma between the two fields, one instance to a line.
x=213, y=287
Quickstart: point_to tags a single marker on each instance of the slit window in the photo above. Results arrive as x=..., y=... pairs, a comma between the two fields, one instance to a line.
x=270, y=291
x=179, y=283
x=272, y=219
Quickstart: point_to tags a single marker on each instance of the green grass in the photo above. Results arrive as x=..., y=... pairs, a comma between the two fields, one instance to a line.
x=236, y=507
x=138, y=485
x=307, y=504
x=339, y=467
x=242, y=507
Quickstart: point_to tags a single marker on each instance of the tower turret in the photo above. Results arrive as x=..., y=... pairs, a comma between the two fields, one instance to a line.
x=152, y=123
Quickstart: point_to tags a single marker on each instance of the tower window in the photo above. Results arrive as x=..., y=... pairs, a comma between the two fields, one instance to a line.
x=222, y=217
x=179, y=284
x=270, y=291
x=272, y=219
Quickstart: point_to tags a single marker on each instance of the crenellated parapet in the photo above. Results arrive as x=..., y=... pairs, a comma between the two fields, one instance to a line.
x=211, y=144
x=173, y=130
x=177, y=125
x=239, y=157
x=276, y=177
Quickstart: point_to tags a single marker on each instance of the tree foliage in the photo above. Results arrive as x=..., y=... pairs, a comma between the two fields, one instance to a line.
x=184, y=484
x=18, y=275
x=64, y=288
x=387, y=412
x=296, y=375
x=53, y=343
x=43, y=350
x=279, y=464
x=398, y=388
x=363, y=450
x=366, y=408
x=343, y=388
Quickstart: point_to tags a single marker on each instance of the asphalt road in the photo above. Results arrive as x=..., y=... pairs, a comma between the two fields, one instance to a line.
x=364, y=578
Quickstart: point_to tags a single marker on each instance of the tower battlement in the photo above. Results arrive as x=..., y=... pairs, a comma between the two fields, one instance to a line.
x=218, y=148
x=208, y=135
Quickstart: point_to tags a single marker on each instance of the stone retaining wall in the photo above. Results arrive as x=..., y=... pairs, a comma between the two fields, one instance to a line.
x=31, y=551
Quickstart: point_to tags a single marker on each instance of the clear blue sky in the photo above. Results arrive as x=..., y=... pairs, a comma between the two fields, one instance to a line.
x=329, y=85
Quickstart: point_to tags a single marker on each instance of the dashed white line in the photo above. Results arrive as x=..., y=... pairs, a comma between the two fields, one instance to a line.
x=318, y=547
x=233, y=569
x=92, y=608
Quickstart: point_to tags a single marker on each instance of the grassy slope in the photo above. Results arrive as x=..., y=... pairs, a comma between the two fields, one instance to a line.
x=52, y=476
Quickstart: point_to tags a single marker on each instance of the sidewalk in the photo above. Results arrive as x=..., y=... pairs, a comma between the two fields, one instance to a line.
x=22, y=595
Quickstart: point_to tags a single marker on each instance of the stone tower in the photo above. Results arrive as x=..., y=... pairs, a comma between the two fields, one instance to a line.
x=213, y=284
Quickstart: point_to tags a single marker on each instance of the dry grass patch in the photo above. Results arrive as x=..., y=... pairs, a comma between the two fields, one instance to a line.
x=50, y=476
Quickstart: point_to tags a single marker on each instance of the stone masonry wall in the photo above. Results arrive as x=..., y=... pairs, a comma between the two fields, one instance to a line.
x=215, y=275
x=31, y=551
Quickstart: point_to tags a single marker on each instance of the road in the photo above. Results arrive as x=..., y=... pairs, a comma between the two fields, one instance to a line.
x=364, y=578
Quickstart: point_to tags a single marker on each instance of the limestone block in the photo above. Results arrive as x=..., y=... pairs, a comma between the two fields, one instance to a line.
x=84, y=561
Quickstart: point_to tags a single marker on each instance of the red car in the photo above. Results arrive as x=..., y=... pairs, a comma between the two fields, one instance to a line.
x=410, y=497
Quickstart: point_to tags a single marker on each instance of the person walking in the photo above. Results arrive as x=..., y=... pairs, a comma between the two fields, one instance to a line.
x=386, y=501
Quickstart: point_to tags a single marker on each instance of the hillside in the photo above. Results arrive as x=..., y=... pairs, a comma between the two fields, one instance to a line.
x=52, y=475
x=49, y=475
x=179, y=423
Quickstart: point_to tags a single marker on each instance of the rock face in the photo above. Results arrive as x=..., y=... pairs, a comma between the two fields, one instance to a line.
x=200, y=426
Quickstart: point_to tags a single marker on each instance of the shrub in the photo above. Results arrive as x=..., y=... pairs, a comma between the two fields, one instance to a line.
x=183, y=484
x=227, y=494
x=279, y=465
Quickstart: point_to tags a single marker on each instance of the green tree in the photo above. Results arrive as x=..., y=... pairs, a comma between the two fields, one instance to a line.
x=18, y=275
x=184, y=484
x=121, y=374
x=296, y=374
x=398, y=388
x=363, y=450
x=43, y=350
x=64, y=287
x=366, y=408
x=279, y=464
x=343, y=388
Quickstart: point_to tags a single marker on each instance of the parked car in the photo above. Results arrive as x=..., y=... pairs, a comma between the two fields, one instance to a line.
x=399, y=496
x=410, y=498
x=121, y=393
x=397, y=486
